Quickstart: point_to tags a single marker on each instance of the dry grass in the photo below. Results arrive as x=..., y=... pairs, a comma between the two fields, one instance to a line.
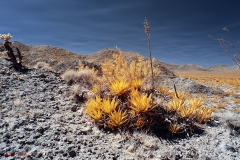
x=237, y=100
x=234, y=110
x=82, y=76
x=214, y=79
x=44, y=65
x=220, y=105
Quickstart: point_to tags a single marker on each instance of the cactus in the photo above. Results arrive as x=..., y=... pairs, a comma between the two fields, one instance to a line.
x=10, y=53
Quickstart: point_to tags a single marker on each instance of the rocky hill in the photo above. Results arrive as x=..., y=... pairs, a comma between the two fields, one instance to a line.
x=59, y=60
x=39, y=120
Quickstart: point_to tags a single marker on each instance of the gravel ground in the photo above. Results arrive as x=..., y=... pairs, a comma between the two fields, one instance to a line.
x=40, y=121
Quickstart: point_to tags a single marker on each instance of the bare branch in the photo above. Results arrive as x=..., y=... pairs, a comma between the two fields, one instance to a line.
x=236, y=57
x=225, y=29
x=227, y=51
x=224, y=46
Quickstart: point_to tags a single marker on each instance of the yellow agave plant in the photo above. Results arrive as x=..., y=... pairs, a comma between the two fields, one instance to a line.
x=117, y=118
x=140, y=103
x=94, y=103
x=175, y=105
x=93, y=108
x=195, y=102
x=95, y=113
x=204, y=114
x=186, y=112
x=119, y=87
x=108, y=106
x=164, y=90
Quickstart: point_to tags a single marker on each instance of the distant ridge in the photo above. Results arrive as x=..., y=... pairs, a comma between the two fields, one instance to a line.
x=61, y=59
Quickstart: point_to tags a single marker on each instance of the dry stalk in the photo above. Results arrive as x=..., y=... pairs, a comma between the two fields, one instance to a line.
x=175, y=91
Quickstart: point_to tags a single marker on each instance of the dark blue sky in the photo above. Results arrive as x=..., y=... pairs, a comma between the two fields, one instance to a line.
x=179, y=34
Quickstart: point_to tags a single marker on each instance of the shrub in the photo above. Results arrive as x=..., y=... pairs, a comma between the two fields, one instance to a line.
x=44, y=65
x=136, y=73
x=85, y=76
x=117, y=118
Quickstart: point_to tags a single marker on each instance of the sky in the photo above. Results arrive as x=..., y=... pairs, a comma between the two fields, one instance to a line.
x=179, y=28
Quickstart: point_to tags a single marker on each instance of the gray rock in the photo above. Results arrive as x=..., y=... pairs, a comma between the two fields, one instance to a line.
x=72, y=153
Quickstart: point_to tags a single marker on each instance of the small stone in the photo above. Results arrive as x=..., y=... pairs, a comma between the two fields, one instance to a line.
x=56, y=138
x=34, y=153
x=6, y=135
x=20, y=136
x=86, y=129
x=2, y=72
x=130, y=148
x=65, y=154
x=52, y=98
x=41, y=120
x=119, y=146
x=37, y=135
x=22, y=93
x=29, y=128
x=39, y=155
x=74, y=108
x=2, y=124
x=40, y=130
x=230, y=148
x=42, y=76
x=64, y=131
x=42, y=99
x=30, y=141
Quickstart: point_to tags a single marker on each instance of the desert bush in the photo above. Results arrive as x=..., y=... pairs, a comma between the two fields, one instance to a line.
x=136, y=73
x=44, y=65
x=85, y=76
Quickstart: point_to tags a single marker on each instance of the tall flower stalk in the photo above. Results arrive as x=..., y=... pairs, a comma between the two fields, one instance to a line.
x=147, y=30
